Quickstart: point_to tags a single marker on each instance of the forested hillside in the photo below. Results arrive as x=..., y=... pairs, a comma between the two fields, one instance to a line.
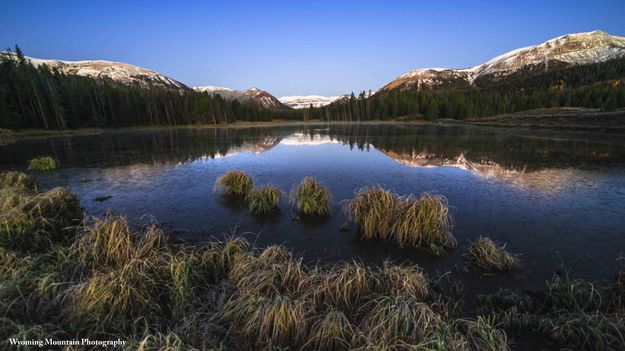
x=45, y=98
x=599, y=85
x=41, y=97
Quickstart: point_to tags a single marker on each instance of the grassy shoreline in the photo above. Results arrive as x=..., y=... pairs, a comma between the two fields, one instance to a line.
x=568, y=119
x=69, y=277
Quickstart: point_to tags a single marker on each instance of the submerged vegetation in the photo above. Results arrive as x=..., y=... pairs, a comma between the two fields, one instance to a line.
x=311, y=198
x=43, y=163
x=263, y=200
x=488, y=255
x=103, y=278
x=235, y=183
x=422, y=222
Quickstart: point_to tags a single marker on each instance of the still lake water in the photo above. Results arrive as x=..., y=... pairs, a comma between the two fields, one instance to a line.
x=555, y=198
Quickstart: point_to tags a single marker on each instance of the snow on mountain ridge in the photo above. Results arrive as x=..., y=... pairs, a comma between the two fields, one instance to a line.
x=115, y=71
x=253, y=95
x=569, y=49
x=211, y=88
x=305, y=101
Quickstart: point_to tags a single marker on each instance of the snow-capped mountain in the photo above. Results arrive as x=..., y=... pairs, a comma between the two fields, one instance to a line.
x=298, y=102
x=565, y=51
x=118, y=72
x=252, y=95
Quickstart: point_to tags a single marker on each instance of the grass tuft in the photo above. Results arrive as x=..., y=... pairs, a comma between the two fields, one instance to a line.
x=332, y=331
x=393, y=320
x=488, y=255
x=34, y=221
x=484, y=334
x=268, y=321
x=419, y=222
x=19, y=180
x=235, y=183
x=264, y=200
x=311, y=198
x=43, y=163
x=110, y=242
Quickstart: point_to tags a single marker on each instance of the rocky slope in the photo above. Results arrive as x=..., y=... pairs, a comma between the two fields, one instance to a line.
x=565, y=51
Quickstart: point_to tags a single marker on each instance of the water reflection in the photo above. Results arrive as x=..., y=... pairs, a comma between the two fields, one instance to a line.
x=523, y=158
x=552, y=197
x=492, y=152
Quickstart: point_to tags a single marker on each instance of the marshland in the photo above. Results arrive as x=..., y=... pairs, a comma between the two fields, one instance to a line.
x=317, y=237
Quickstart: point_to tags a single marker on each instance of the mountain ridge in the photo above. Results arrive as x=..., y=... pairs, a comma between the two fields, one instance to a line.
x=563, y=51
x=252, y=95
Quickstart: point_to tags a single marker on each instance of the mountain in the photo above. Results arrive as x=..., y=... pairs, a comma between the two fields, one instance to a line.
x=561, y=52
x=298, y=102
x=253, y=96
x=116, y=72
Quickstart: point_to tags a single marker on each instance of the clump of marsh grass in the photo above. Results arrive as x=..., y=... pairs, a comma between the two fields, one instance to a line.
x=393, y=320
x=408, y=280
x=617, y=291
x=423, y=222
x=55, y=210
x=488, y=255
x=311, y=198
x=116, y=296
x=264, y=200
x=268, y=321
x=419, y=222
x=571, y=313
x=33, y=221
x=332, y=331
x=373, y=211
x=347, y=286
x=483, y=334
x=43, y=163
x=184, y=280
x=11, y=179
x=274, y=271
x=235, y=183
x=110, y=242
x=564, y=293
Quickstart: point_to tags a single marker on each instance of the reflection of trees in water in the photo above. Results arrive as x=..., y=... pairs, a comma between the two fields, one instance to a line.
x=432, y=145
x=162, y=145
x=415, y=144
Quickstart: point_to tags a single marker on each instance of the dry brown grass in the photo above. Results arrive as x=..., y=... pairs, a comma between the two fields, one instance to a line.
x=488, y=255
x=311, y=198
x=235, y=183
x=422, y=222
x=263, y=200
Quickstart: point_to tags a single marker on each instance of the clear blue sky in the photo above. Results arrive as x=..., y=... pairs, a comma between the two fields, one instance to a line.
x=295, y=48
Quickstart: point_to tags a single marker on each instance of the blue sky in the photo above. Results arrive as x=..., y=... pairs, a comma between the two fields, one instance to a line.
x=290, y=47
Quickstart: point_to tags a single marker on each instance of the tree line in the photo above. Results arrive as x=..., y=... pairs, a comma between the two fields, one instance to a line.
x=600, y=85
x=46, y=98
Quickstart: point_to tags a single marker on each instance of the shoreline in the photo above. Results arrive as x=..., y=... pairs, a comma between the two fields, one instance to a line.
x=554, y=119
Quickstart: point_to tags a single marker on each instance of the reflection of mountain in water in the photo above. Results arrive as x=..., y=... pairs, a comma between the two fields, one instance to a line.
x=497, y=153
x=310, y=139
x=519, y=150
x=554, y=179
x=146, y=146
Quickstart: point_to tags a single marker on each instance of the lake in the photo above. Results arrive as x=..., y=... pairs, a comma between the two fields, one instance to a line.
x=555, y=198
